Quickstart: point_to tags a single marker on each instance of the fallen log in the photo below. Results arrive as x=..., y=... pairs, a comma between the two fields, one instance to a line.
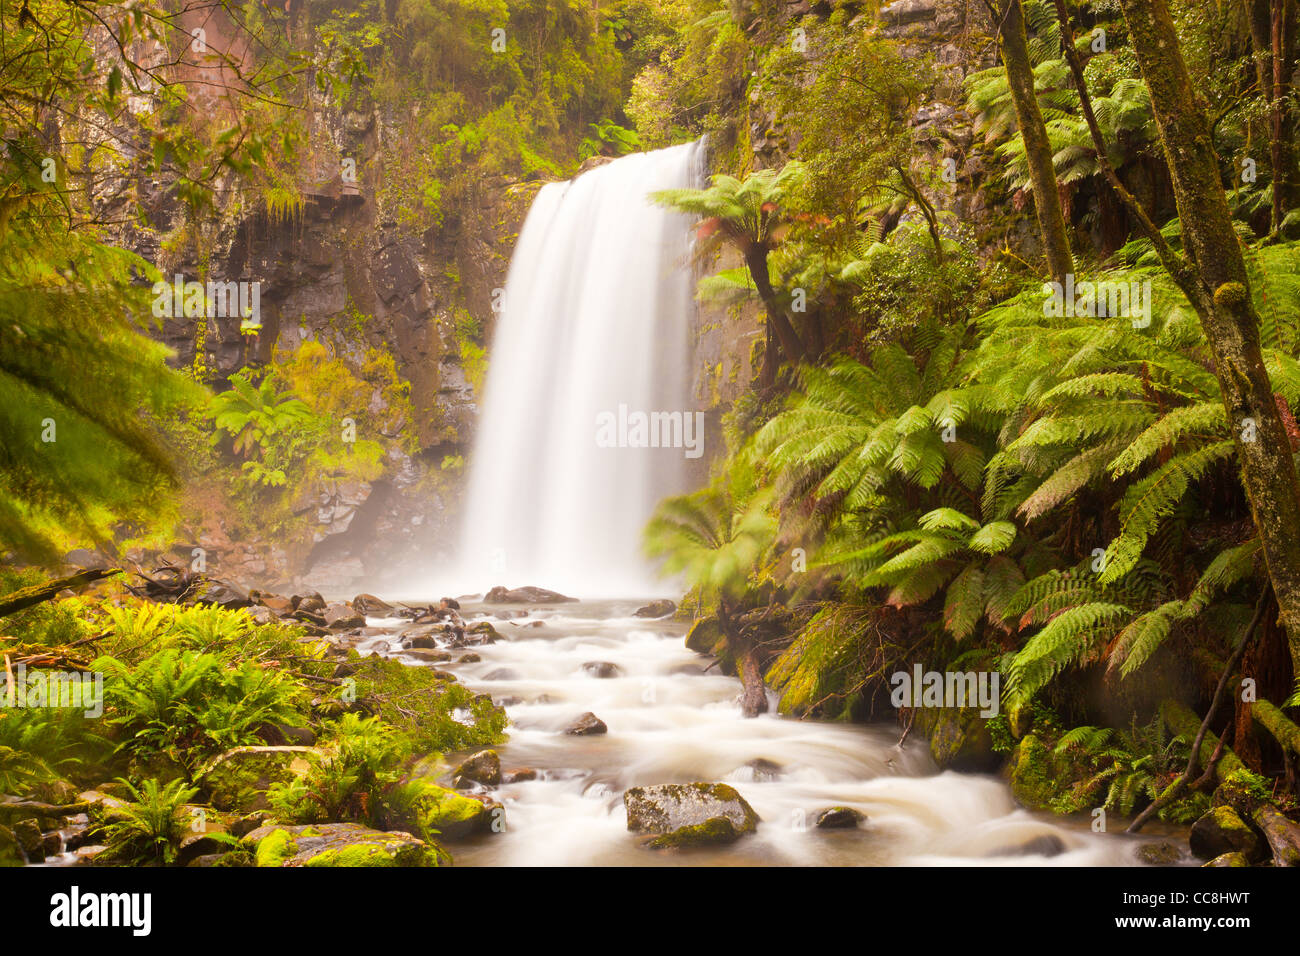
x=1182, y=721
x=1284, y=731
x=27, y=597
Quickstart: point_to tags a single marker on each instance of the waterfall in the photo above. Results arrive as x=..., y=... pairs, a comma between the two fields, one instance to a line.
x=594, y=331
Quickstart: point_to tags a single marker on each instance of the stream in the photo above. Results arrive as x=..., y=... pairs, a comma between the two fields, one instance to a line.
x=673, y=720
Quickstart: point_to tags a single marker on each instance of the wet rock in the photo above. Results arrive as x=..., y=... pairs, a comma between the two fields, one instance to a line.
x=340, y=617
x=312, y=618
x=1045, y=844
x=703, y=636
x=450, y=603
x=1222, y=831
x=1229, y=859
x=229, y=858
x=525, y=595
x=238, y=779
x=453, y=816
x=340, y=844
x=482, y=768
x=501, y=673
x=86, y=855
x=29, y=837
x=274, y=602
x=310, y=602
x=481, y=632
x=11, y=853
x=587, y=725
x=52, y=843
x=246, y=824
x=960, y=740
x=468, y=659
x=211, y=591
x=692, y=814
x=203, y=842
x=522, y=775
x=762, y=769
x=656, y=609
x=1282, y=834
x=371, y=606
x=602, y=669
x=1159, y=854
x=840, y=818
x=509, y=701
x=428, y=655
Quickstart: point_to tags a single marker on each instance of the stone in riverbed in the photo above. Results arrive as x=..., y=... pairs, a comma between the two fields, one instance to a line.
x=371, y=606
x=1159, y=854
x=524, y=595
x=656, y=609
x=468, y=659
x=452, y=816
x=340, y=617
x=481, y=632
x=522, y=775
x=761, y=769
x=690, y=814
x=602, y=669
x=1222, y=831
x=428, y=655
x=1045, y=844
x=341, y=844
x=29, y=837
x=840, y=818
x=586, y=726
x=703, y=636
x=312, y=602
x=484, y=768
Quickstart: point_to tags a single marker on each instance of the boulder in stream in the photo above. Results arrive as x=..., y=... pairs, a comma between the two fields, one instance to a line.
x=371, y=606
x=482, y=768
x=656, y=609
x=524, y=595
x=602, y=669
x=840, y=818
x=689, y=814
x=1229, y=859
x=586, y=726
x=453, y=816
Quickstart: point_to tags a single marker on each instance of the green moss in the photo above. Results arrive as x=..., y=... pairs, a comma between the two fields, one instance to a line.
x=711, y=832
x=275, y=848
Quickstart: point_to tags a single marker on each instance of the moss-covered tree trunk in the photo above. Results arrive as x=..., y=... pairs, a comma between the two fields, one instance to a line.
x=756, y=262
x=1014, y=44
x=1221, y=294
x=1286, y=175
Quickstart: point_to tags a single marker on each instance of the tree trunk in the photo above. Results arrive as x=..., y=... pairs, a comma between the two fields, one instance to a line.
x=1220, y=292
x=1282, y=147
x=27, y=597
x=756, y=261
x=753, y=699
x=1038, y=150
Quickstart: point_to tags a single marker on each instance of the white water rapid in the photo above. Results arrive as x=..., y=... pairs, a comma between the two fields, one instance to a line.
x=596, y=315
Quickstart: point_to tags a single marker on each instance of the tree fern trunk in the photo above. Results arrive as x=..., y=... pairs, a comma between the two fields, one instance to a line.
x=1038, y=150
x=756, y=261
x=1282, y=147
x=1222, y=298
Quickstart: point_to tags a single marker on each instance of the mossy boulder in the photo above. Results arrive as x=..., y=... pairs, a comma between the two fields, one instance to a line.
x=1222, y=830
x=482, y=768
x=840, y=818
x=341, y=844
x=1159, y=854
x=453, y=816
x=1032, y=774
x=10, y=853
x=960, y=740
x=703, y=636
x=238, y=779
x=690, y=814
x=1229, y=859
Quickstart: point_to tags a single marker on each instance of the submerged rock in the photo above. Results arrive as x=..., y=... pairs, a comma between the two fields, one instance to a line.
x=690, y=814
x=524, y=595
x=1223, y=831
x=602, y=669
x=484, y=768
x=1159, y=854
x=1045, y=844
x=586, y=726
x=341, y=844
x=521, y=775
x=656, y=609
x=840, y=818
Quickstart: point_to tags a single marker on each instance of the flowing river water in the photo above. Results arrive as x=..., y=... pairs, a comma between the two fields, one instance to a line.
x=672, y=719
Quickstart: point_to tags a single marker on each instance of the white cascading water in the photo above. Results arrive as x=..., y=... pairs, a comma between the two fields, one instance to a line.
x=596, y=315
